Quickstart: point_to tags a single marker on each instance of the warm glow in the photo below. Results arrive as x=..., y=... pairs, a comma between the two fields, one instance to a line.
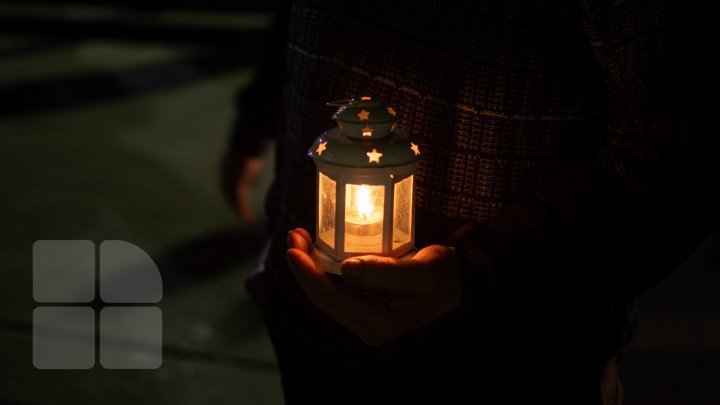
x=326, y=209
x=363, y=115
x=363, y=206
x=364, y=218
x=367, y=131
x=415, y=149
x=402, y=213
x=362, y=201
x=374, y=156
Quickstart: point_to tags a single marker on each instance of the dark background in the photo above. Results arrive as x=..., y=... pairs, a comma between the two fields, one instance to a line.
x=114, y=116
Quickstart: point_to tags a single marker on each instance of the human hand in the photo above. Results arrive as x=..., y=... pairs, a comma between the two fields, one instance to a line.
x=240, y=173
x=380, y=298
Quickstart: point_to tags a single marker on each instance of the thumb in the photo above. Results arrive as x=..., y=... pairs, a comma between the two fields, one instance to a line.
x=379, y=272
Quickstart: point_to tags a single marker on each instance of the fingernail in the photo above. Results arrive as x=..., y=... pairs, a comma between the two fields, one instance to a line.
x=352, y=269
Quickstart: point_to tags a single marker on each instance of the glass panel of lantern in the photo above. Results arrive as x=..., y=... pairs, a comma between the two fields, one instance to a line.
x=402, y=213
x=326, y=209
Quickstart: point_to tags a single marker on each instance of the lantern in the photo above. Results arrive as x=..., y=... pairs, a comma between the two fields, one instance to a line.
x=365, y=179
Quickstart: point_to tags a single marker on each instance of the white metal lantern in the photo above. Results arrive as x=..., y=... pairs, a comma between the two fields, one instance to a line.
x=365, y=194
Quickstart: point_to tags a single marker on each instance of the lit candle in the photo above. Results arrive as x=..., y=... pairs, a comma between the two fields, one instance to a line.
x=364, y=218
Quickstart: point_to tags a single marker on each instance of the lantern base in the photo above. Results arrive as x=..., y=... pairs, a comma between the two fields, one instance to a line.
x=330, y=265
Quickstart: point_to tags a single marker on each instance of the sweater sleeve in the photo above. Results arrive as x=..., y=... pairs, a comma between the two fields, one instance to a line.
x=603, y=230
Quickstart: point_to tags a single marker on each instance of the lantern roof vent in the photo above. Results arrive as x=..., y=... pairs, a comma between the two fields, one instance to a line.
x=365, y=118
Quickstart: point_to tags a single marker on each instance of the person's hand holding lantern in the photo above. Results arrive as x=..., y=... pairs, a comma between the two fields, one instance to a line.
x=379, y=298
x=365, y=231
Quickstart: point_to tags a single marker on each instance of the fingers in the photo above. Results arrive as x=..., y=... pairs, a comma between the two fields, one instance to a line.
x=407, y=289
x=303, y=265
x=316, y=283
x=350, y=308
x=375, y=318
x=299, y=239
x=305, y=234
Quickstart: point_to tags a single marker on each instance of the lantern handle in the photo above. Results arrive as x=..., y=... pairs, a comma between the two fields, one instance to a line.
x=341, y=103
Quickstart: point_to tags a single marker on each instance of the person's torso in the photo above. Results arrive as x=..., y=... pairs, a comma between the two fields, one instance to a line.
x=495, y=92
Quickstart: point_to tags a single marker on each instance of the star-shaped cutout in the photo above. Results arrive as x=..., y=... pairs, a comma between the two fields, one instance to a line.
x=367, y=131
x=415, y=148
x=363, y=115
x=321, y=148
x=391, y=111
x=374, y=156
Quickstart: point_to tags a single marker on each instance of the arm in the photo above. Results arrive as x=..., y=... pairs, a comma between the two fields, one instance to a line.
x=257, y=115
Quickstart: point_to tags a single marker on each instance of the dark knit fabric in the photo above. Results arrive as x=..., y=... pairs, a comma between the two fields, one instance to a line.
x=495, y=92
x=498, y=92
x=570, y=141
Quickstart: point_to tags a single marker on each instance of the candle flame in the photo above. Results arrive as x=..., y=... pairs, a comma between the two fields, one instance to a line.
x=363, y=202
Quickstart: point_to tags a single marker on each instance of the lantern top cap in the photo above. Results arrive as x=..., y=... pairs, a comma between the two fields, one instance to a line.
x=364, y=118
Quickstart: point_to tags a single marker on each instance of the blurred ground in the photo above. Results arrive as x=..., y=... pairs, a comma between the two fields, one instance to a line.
x=105, y=136
x=112, y=125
